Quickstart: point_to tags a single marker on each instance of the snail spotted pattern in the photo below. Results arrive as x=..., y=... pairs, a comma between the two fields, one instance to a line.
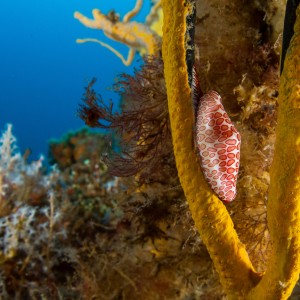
x=218, y=143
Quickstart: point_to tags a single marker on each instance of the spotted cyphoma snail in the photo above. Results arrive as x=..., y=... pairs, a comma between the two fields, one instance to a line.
x=218, y=143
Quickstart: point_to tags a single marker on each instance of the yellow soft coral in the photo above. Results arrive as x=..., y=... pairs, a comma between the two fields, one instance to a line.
x=137, y=36
x=212, y=220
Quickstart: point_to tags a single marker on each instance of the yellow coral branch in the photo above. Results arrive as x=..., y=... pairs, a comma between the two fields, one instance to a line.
x=137, y=36
x=210, y=215
x=284, y=192
x=155, y=18
x=126, y=62
x=134, y=11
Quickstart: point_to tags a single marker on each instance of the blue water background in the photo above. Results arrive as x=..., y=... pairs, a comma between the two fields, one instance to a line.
x=43, y=71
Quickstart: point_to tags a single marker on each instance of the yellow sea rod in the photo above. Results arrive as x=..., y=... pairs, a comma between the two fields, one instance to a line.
x=284, y=192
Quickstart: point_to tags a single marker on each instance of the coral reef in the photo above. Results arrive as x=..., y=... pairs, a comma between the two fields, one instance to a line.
x=31, y=226
x=76, y=148
x=78, y=232
x=47, y=217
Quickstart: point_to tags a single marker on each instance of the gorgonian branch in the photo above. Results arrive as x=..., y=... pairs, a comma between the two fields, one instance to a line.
x=142, y=127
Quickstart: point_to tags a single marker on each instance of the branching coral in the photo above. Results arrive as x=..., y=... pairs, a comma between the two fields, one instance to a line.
x=137, y=36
